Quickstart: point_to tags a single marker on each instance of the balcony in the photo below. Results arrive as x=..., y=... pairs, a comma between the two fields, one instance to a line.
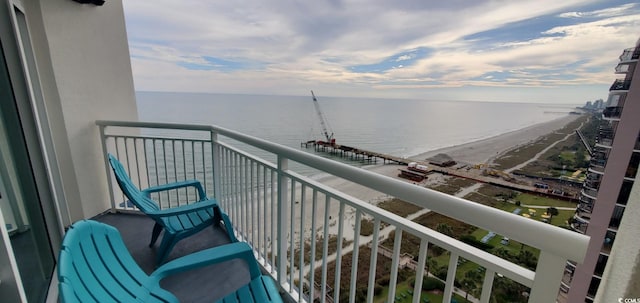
x=289, y=219
x=624, y=67
x=578, y=224
x=586, y=202
x=583, y=213
x=591, y=193
x=605, y=137
x=592, y=184
x=620, y=85
x=593, y=180
x=630, y=54
x=612, y=112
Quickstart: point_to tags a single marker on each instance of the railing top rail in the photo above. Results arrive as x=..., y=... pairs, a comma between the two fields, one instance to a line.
x=558, y=241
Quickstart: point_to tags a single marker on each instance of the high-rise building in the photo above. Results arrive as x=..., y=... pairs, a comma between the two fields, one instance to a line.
x=610, y=178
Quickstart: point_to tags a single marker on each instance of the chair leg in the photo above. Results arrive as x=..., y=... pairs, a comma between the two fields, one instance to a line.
x=167, y=244
x=156, y=232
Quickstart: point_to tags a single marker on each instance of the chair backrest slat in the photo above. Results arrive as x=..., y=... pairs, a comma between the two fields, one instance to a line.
x=144, y=203
x=95, y=266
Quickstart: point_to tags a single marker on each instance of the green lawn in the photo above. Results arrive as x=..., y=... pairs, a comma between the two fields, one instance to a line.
x=529, y=199
x=404, y=292
x=513, y=247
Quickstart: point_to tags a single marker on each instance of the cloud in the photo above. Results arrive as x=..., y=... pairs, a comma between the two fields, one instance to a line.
x=374, y=47
x=601, y=13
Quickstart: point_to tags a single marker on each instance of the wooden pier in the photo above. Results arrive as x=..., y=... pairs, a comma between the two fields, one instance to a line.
x=475, y=175
x=354, y=152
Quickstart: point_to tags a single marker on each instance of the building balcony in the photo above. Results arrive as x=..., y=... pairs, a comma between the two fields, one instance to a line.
x=303, y=231
x=598, y=164
x=624, y=68
x=596, y=169
x=630, y=54
x=592, y=184
x=620, y=85
x=593, y=180
x=567, y=276
x=583, y=213
x=578, y=224
x=605, y=137
x=604, y=142
x=613, y=112
x=586, y=202
x=591, y=193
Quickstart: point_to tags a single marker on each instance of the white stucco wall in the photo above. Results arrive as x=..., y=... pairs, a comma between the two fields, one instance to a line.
x=88, y=61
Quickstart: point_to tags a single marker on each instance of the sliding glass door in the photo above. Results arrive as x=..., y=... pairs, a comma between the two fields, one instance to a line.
x=27, y=259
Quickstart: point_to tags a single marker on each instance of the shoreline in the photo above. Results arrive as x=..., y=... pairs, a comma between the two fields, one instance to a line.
x=479, y=151
x=475, y=152
x=483, y=150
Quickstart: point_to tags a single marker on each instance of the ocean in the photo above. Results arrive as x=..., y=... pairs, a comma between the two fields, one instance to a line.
x=397, y=127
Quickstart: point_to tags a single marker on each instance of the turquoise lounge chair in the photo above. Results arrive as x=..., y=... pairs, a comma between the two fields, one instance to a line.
x=177, y=222
x=95, y=266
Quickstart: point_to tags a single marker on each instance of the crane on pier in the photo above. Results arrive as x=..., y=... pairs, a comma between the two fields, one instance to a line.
x=328, y=134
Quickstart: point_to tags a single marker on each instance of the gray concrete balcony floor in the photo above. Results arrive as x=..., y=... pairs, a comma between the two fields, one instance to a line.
x=206, y=284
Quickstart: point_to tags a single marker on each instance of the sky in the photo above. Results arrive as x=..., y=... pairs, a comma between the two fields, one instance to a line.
x=545, y=51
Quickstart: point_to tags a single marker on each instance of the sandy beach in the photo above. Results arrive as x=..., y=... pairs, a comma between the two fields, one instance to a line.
x=480, y=151
x=484, y=150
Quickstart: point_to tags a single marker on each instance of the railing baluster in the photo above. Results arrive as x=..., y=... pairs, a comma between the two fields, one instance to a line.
x=312, y=260
x=451, y=277
x=126, y=157
x=155, y=164
x=124, y=198
x=325, y=248
x=204, y=166
x=175, y=170
x=103, y=141
x=243, y=197
x=548, y=276
x=184, y=168
x=237, y=192
x=422, y=260
x=146, y=160
x=264, y=213
x=292, y=233
x=394, y=265
x=135, y=151
x=336, y=287
x=301, y=265
x=193, y=159
x=252, y=202
x=227, y=182
x=374, y=260
x=283, y=209
x=355, y=255
x=487, y=284
x=274, y=219
x=166, y=173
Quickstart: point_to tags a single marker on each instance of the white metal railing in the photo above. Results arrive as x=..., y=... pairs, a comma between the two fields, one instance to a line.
x=302, y=230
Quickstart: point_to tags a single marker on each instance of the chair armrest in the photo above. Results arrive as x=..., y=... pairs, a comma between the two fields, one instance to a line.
x=169, y=186
x=184, y=209
x=219, y=254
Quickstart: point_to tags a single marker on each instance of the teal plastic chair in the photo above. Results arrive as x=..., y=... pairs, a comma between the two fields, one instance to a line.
x=95, y=266
x=177, y=222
